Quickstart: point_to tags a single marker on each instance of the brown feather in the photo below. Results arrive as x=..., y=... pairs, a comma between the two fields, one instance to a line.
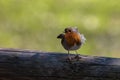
x=72, y=38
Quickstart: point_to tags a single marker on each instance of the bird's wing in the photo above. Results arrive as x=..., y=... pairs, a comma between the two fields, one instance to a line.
x=83, y=39
x=61, y=36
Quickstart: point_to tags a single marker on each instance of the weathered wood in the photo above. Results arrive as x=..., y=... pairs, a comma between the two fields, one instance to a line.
x=36, y=65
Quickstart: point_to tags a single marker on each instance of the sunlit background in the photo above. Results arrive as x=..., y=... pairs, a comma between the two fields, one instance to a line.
x=35, y=24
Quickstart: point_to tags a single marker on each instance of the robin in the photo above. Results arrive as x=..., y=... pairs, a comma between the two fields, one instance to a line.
x=71, y=39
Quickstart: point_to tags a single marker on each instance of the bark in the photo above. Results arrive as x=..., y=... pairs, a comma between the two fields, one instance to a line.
x=35, y=65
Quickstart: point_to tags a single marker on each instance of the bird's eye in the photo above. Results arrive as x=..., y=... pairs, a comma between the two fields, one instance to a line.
x=69, y=30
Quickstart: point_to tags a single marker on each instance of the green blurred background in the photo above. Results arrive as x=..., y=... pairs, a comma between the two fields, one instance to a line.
x=35, y=24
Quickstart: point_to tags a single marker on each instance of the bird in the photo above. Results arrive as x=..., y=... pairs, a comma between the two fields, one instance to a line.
x=71, y=40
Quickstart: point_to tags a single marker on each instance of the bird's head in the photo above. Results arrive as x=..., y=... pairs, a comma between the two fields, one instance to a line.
x=71, y=29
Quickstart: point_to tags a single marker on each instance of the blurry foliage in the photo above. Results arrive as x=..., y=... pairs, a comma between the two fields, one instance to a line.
x=34, y=24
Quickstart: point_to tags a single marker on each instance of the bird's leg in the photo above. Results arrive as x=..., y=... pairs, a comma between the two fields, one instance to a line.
x=77, y=55
x=76, y=52
x=69, y=58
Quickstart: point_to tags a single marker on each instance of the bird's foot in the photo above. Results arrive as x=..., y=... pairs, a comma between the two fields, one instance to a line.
x=77, y=57
x=69, y=59
x=73, y=58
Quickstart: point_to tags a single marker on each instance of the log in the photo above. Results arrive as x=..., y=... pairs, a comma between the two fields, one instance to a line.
x=36, y=65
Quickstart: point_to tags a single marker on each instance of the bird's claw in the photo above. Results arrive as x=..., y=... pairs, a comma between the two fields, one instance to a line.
x=69, y=59
x=77, y=57
x=72, y=59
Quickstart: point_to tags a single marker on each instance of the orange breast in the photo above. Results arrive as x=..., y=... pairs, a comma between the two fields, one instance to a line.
x=72, y=39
